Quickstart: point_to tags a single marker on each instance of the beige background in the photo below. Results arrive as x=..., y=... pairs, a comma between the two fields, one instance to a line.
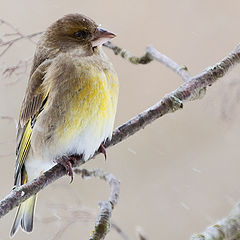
x=178, y=175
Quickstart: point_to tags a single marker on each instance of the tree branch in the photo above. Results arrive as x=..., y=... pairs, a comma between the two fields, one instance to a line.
x=180, y=70
x=227, y=228
x=189, y=90
x=103, y=223
x=150, y=55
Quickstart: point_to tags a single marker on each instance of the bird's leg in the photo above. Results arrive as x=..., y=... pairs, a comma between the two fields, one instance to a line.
x=67, y=162
x=103, y=150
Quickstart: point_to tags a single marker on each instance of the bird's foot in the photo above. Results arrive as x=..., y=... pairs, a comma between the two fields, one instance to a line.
x=102, y=150
x=67, y=162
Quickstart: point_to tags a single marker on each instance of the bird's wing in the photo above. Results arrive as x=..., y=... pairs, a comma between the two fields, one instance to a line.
x=34, y=93
x=33, y=103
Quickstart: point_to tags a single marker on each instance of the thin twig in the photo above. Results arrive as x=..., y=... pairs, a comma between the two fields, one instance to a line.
x=173, y=101
x=62, y=230
x=17, y=32
x=5, y=49
x=9, y=71
x=19, y=36
x=8, y=118
x=16, y=71
x=103, y=223
x=10, y=43
x=5, y=45
x=140, y=233
x=120, y=231
x=168, y=62
x=73, y=213
x=150, y=55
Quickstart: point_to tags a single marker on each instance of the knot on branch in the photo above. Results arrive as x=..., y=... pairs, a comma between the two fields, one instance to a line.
x=174, y=102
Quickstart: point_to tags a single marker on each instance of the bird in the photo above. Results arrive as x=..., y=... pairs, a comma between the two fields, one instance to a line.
x=69, y=106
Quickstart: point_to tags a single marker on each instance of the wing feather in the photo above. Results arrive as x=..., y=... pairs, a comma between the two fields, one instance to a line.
x=34, y=94
x=33, y=103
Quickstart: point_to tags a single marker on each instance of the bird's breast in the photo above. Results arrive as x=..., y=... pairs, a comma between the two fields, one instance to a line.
x=82, y=112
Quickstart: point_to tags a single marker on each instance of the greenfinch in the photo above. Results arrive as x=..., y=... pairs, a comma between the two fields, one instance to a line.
x=69, y=106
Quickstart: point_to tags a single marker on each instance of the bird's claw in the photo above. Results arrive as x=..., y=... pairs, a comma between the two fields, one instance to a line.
x=102, y=150
x=67, y=162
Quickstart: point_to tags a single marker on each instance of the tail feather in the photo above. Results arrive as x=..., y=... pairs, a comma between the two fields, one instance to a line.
x=24, y=215
x=17, y=220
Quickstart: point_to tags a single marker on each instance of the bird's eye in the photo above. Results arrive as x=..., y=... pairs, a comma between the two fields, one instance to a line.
x=81, y=34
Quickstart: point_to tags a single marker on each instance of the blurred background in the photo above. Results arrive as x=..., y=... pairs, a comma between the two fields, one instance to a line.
x=178, y=175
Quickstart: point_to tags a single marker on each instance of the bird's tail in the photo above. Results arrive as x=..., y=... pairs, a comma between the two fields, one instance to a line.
x=24, y=216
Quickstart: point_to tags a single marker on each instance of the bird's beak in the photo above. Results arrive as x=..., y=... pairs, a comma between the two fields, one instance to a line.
x=101, y=36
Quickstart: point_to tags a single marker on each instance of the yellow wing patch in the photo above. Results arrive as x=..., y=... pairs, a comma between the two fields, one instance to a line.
x=25, y=143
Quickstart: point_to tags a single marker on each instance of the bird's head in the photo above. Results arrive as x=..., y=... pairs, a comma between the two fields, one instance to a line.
x=75, y=31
